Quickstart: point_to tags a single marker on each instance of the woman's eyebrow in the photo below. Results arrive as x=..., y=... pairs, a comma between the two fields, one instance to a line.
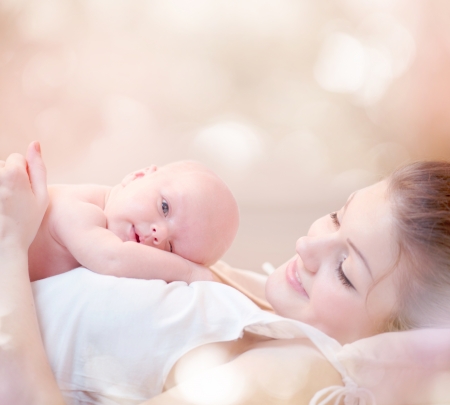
x=347, y=203
x=358, y=252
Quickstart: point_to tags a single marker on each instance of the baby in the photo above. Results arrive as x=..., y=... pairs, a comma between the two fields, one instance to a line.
x=158, y=223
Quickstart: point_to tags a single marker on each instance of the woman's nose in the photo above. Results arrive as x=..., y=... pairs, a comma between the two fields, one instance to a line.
x=312, y=251
x=158, y=234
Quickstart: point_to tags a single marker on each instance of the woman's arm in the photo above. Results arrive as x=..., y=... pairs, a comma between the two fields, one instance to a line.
x=25, y=375
x=277, y=372
x=410, y=367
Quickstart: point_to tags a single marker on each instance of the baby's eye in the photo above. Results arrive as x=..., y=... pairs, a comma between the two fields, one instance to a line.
x=165, y=207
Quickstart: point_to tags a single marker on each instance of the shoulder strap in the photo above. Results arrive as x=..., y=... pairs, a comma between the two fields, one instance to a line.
x=247, y=282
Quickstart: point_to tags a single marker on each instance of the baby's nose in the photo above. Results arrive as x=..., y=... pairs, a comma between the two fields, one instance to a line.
x=158, y=234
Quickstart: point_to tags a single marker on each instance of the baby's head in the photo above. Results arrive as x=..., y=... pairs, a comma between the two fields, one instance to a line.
x=182, y=207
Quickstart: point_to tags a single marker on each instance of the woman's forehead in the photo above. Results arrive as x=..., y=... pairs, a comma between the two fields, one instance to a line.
x=371, y=201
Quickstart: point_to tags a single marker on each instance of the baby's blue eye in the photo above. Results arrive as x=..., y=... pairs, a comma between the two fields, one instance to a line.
x=165, y=207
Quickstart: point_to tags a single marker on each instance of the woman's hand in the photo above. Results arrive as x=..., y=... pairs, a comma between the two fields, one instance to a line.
x=23, y=197
x=25, y=374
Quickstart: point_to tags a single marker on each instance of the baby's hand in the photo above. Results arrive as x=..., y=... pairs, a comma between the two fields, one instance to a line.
x=199, y=273
x=23, y=197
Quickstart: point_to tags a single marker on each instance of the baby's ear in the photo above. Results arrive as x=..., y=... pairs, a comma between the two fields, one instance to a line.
x=138, y=174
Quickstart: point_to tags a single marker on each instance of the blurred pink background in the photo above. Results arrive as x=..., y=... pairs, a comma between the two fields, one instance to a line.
x=294, y=103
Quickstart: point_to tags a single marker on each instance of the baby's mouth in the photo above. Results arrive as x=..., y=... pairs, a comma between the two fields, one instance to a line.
x=136, y=236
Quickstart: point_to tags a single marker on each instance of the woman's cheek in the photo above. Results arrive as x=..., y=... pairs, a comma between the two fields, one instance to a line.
x=329, y=299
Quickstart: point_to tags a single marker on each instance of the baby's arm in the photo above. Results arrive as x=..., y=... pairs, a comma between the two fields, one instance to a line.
x=81, y=228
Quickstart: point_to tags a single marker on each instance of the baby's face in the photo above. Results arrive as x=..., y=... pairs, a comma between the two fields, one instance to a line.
x=169, y=211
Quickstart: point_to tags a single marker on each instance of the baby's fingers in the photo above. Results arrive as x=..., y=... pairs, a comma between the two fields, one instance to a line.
x=13, y=171
x=37, y=172
x=15, y=160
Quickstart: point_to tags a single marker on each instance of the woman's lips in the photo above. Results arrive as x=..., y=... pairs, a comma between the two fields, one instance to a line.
x=293, y=278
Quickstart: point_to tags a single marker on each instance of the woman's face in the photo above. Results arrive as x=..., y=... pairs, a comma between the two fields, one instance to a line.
x=331, y=282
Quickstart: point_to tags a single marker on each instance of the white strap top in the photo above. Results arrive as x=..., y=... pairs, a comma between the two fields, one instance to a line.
x=114, y=340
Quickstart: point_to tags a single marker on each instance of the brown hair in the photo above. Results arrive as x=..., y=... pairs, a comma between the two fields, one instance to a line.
x=420, y=196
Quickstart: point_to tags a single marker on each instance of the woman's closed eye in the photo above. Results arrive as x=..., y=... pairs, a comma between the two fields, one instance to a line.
x=340, y=272
x=342, y=277
x=165, y=207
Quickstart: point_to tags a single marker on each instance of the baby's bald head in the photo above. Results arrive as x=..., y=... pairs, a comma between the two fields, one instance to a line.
x=211, y=215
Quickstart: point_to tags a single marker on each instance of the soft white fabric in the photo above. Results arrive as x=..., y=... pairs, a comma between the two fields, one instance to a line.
x=114, y=340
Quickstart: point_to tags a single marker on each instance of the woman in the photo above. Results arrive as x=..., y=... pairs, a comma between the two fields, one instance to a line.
x=338, y=266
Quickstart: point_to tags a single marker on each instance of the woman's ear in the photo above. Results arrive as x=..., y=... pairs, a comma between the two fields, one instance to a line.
x=138, y=174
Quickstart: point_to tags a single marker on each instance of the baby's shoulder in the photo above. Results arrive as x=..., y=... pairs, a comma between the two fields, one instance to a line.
x=76, y=204
x=70, y=193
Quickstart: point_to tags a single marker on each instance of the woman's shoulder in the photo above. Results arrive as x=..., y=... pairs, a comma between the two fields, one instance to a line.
x=250, y=283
